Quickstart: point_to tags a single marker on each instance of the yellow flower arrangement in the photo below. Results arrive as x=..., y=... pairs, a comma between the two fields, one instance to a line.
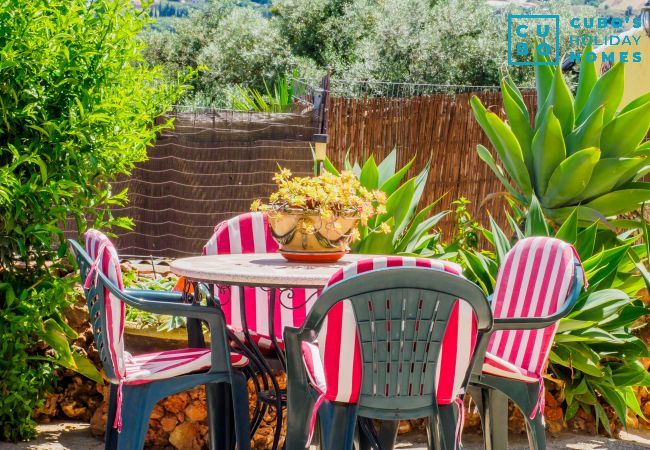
x=327, y=195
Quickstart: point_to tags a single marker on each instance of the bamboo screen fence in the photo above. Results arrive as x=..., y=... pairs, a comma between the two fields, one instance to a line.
x=440, y=127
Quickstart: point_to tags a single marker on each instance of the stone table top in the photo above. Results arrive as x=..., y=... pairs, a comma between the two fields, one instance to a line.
x=259, y=269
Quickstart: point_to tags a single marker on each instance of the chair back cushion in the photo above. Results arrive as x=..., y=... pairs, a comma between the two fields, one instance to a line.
x=251, y=233
x=105, y=259
x=338, y=341
x=534, y=281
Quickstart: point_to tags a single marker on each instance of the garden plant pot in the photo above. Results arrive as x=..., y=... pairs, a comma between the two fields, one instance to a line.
x=304, y=236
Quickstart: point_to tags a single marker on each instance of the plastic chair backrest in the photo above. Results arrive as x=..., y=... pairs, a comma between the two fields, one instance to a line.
x=404, y=347
x=537, y=278
x=105, y=309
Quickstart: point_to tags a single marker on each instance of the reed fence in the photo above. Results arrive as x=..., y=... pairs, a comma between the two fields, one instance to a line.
x=438, y=128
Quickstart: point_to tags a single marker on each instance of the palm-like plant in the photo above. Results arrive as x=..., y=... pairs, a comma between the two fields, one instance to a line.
x=579, y=151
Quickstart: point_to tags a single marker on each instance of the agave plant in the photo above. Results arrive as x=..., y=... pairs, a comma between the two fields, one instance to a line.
x=596, y=354
x=580, y=151
x=412, y=230
x=278, y=100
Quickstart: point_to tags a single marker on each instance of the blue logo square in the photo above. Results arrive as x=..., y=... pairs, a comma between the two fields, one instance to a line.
x=526, y=30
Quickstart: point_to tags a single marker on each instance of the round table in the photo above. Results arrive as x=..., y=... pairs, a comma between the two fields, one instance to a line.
x=268, y=271
x=259, y=269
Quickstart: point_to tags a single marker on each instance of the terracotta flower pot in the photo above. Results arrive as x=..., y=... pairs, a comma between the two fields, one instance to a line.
x=306, y=237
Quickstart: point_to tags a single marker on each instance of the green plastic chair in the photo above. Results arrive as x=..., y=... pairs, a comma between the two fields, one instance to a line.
x=418, y=318
x=137, y=400
x=536, y=271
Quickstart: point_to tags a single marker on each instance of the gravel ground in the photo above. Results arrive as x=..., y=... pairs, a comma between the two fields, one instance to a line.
x=76, y=436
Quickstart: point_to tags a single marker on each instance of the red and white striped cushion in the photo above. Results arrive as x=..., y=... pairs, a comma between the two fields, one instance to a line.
x=533, y=281
x=250, y=233
x=334, y=364
x=493, y=365
x=104, y=255
x=171, y=363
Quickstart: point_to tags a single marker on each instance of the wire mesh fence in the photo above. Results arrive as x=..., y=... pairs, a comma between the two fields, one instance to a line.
x=211, y=166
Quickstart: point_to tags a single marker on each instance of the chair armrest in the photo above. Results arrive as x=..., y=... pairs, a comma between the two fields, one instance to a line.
x=533, y=323
x=214, y=317
x=163, y=296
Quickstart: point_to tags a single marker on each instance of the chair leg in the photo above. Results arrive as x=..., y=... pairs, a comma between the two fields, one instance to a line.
x=388, y=434
x=300, y=405
x=110, y=438
x=495, y=421
x=136, y=410
x=537, y=432
x=217, y=397
x=448, y=426
x=240, y=411
x=339, y=424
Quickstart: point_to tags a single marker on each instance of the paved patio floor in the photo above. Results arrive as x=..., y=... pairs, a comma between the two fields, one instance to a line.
x=76, y=436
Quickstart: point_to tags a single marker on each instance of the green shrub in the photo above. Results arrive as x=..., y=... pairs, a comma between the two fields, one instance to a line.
x=77, y=109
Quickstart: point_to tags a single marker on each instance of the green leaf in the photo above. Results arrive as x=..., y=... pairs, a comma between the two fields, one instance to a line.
x=391, y=184
x=607, y=91
x=548, y=151
x=630, y=373
x=561, y=100
x=619, y=202
x=487, y=157
x=387, y=167
x=571, y=177
x=568, y=232
x=615, y=399
x=578, y=356
x=509, y=151
x=86, y=368
x=567, y=324
x=586, y=81
x=369, y=174
x=632, y=402
x=543, y=80
x=500, y=240
x=512, y=159
x=54, y=336
x=622, y=135
x=519, y=120
x=483, y=269
x=606, y=175
x=329, y=167
x=640, y=100
x=587, y=134
x=535, y=221
x=600, y=305
x=587, y=242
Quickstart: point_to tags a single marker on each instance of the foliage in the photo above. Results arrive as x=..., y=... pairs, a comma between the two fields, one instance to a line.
x=232, y=45
x=595, y=354
x=444, y=42
x=329, y=195
x=162, y=322
x=580, y=152
x=411, y=230
x=77, y=108
x=278, y=101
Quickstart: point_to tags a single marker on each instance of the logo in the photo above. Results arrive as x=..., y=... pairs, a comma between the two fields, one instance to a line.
x=526, y=31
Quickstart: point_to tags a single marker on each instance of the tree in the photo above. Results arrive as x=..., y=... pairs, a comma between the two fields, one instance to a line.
x=77, y=108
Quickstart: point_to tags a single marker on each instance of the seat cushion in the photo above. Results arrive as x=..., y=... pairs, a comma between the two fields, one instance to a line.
x=171, y=363
x=493, y=365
